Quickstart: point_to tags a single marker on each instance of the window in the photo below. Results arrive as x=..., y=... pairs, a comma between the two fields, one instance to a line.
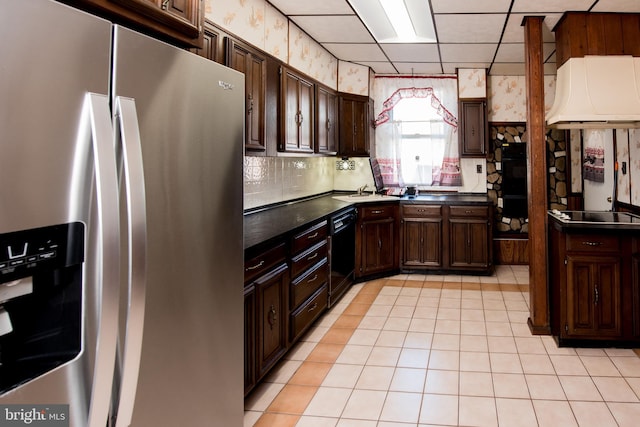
x=416, y=131
x=422, y=141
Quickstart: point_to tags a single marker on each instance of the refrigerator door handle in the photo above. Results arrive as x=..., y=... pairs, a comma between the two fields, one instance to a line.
x=100, y=130
x=129, y=142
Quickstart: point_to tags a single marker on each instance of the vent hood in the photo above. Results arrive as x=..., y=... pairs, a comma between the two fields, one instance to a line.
x=597, y=92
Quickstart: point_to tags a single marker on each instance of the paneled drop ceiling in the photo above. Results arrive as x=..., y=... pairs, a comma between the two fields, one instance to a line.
x=470, y=33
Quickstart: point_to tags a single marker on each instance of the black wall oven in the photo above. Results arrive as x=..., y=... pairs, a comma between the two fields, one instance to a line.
x=342, y=261
x=514, y=180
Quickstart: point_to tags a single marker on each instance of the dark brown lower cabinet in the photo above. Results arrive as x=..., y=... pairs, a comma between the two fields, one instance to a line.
x=266, y=311
x=272, y=312
x=447, y=238
x=594, y=286
x=376, y=246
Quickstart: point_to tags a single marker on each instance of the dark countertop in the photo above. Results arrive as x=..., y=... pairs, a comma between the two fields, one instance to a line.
x=447, y=199
x=273, y=222
x=263, y=225
x=593, y=221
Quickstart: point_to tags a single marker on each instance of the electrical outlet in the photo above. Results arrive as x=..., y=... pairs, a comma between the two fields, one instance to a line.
x=478, y=168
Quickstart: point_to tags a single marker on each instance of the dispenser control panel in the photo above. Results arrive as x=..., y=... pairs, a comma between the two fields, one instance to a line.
x=24, y=253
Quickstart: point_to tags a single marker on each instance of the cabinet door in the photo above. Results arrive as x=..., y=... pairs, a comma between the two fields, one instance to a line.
x=326, y=111
x=593, y=296
x=473, y=122
x=211, y=44
x=422, y=243
x=377, y=246
x=354, y=125
x=297, y=100
x=249, y=338
x=254, y=66
x=271, y=316
x=469, y=243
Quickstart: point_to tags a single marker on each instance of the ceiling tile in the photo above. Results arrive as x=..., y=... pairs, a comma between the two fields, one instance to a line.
x=540, y=6
x=451, y=67
x=507, y=69
x=412, y=52
x=467, y=6
x=418, y=67
x=323, y=29
x=324, y=7
x=617, y=6
x=355, y=52
x=379, y=67
x=478, y=28
x=514, y=33
x=467, y=52
x=510, y=52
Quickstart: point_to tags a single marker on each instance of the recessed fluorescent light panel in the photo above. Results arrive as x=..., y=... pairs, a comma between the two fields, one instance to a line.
x=397, y=21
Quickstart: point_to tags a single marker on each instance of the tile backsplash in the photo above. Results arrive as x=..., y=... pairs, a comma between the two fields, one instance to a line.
x=270, y=180
x=276, y=179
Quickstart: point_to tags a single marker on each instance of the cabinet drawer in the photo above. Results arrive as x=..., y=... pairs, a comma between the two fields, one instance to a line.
x=305, y=315
x=258, y=265
x=375, y=212
x=467, y=211
x=592, y=243
x=419, y=211
x=309, y=237
x=309, y=282
x=309, y=257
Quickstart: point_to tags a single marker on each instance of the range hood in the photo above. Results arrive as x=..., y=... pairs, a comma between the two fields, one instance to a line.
x=597, y=92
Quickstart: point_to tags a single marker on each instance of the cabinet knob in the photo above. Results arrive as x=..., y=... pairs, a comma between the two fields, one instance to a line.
x=165, y=4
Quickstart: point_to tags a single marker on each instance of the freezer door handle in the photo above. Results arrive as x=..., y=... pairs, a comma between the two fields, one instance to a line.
x=129, y=142
x=99, y=130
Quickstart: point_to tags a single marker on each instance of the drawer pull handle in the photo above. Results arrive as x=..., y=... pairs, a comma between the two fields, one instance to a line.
x=597, y=296
x=313, y=256
x=468, y=212
x=313, y=279
x=272, y=316
x=313, y=307
x=377, y=212
x=591, y=243
x=312, y=236
x=258, y=265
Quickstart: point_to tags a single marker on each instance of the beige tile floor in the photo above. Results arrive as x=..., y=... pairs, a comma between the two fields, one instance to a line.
x=426, y=350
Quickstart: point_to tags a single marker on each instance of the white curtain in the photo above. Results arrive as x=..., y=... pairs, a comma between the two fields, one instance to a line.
x=441, y=94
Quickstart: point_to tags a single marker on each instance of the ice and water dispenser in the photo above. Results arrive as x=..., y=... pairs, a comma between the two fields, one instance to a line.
x=40, y=301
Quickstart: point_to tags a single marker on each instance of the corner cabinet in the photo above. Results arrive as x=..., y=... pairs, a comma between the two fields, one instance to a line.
x=297, y=99
x=594, y=286
x=376, y=241
x=356, y=113
x=177, y=21
x=253, y=65
x=473, y=127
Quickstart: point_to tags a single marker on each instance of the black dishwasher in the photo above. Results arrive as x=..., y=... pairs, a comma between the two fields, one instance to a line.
x=342, y=244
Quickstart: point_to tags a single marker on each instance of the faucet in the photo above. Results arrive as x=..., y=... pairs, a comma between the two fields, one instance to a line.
x=361, y=189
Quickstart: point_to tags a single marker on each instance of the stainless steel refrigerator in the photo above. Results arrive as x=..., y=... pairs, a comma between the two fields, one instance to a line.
x=120, y=224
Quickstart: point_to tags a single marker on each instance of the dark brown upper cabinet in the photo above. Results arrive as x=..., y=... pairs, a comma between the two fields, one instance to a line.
x=473, y=127
x=355, y=114
x=326, y=120
x=253, y=64
x=212, y=47
x=176, y=21
x=297, y=97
